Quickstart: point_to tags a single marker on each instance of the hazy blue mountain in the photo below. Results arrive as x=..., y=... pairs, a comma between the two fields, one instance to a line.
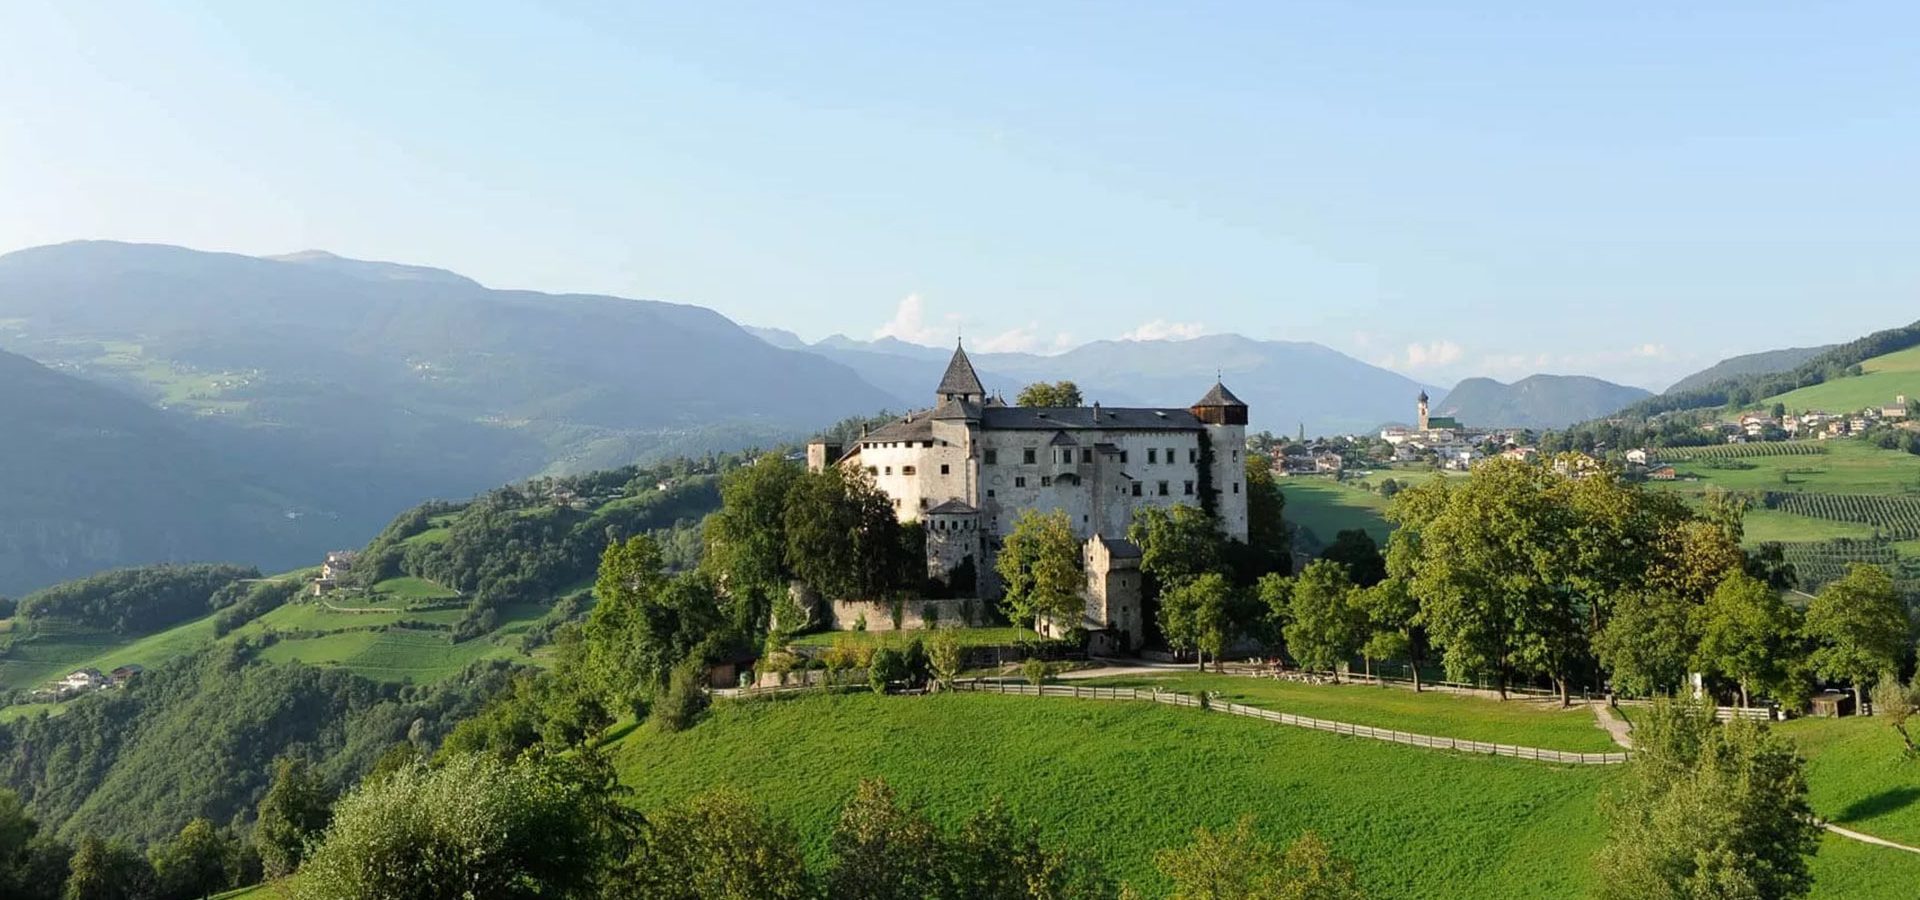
x=91, y=478
x=1536, y=401
x=1285, y=383
x=367, y=387
x=1766, y=362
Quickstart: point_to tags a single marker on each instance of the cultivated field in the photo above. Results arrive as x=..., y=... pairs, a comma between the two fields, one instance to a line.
x=1885, y=378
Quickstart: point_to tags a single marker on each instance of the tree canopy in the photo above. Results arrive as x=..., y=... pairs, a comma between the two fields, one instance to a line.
x=1050, y=394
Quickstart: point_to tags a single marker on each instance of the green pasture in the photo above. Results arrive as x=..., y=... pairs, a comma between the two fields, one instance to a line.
x=1884, y=378
x=1327, y=507
x=1527, y=722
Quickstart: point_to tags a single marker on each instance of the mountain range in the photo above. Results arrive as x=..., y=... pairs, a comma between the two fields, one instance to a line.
x=302, y=400
x=1766, y=362
x=1287, y=384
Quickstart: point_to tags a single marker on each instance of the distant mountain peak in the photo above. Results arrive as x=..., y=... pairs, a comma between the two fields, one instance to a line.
x=372, y=269
x=1536, y=401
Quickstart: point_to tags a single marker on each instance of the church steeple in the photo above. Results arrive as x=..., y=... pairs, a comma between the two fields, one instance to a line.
x=960, y=382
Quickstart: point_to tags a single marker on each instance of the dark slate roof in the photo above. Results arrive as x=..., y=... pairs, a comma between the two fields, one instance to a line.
x=915, y=427
x=1037, y=418
x=960, y=378
x=954, y=507
x=956, y=409
x=1220, y=396
x=1062, y=439
x=1118, y=548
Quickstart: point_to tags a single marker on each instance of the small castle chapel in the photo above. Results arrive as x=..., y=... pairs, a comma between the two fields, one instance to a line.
x=966, y=468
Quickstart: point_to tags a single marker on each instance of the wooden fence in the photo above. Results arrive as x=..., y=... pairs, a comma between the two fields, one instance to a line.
x=1363, y=731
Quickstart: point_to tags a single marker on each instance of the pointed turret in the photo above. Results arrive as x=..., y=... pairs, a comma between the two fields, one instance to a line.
x=960, y=383
x=1220, y=407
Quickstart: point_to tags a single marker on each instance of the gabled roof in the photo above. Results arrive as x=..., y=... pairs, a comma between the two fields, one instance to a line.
x=960, y=377
x=954, y=507
x=1062, y=439
x=1078, y=418
x=1220, y=396
x=1119, y=549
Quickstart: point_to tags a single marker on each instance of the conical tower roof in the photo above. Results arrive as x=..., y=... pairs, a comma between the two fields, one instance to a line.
x=1220, y=396
x=960, y=378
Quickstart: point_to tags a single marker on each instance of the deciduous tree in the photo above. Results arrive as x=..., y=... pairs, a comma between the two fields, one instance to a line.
x=717, y=846
x=1054, y=394
x=1325, y=628
x=1746, y=633
x=1039, y=564
x=292, y=814
x=1859, y=627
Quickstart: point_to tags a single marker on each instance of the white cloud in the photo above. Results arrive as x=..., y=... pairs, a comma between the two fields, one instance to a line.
x=1434, y=353
x=1651, y=351
x=909, y=323
x=1024, y=339
x=1163, y=330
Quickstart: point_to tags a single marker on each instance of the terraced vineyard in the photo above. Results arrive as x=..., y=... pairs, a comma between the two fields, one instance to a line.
x=1742, y=451
x=1898, y=517
x=1819, y=562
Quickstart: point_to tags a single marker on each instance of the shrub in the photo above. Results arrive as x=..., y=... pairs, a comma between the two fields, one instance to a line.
x=1036, y=670
x=887, y=666
x=685, y=698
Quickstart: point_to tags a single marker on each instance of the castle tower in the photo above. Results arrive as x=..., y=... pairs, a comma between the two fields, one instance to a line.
x=1422, y=408
x=1225, y=417
x=960, y=383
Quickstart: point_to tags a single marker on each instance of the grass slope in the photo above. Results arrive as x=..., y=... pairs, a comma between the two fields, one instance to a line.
x=1327, y=507
x=1858, y=777
x=1123, y=780
x=1882, y=379
x=1529, y=723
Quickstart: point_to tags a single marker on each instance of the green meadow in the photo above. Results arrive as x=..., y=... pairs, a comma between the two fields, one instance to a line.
x=1883, y=378
x=1527, y=722
x=1120, y=780
x=1328, y=507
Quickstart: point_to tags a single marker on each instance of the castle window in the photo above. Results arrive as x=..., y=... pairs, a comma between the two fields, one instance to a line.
x=990, y=457
x=1187, y=489
x=1236, y=487
x=1046, y=481
x=1193, y=456
x=909, y=470
x=1153, y=456
x=943, y=468
x=1027, y=456
x=989, y=493
x=889, y=470
x=1169, y=456
x=1163, y=489
x=923, y=503
x=1123, y=457
x=873, y=470
x=1086, y=455
x=1020, y=481
x=1236, y=456
x=1136, y=489
x=927, y=444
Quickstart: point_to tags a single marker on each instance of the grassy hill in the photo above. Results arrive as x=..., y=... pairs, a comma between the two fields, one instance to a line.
x=1123, y=780
x=1766, y=362
x=1882, y=378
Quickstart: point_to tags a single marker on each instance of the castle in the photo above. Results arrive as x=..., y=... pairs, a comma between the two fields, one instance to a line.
x=969, y=465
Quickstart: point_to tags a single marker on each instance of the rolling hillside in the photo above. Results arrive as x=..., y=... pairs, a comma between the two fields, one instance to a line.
x=1882, y=379
x=1123, y=780
x=91, y=478
x=1766, y=362
x=1536, y=401
x=338, y=391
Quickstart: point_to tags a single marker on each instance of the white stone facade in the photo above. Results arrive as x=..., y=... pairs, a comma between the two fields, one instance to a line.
x=981, y=463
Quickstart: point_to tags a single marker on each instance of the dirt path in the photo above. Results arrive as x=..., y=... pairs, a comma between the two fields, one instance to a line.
x=1620, y=729
x=1866, y=838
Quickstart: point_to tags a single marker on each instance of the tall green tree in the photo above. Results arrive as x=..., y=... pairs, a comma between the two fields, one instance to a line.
x=294, y=811
x=476, y=826
x=1859, y=628
x=746, y=540
x=1325, y=628
x=1039, y=565
x=1269, y=546
x=1241, y=865
x=1746, y=634
x=102, y=870
x=195, y=864
x=1649, y=642
x=644, y=624
x=1356, y=549
x=1199, y=615
x=844, y=540
x=1053, y=394
x=1896, y=704
x=33, y=866
x=1177, y=544
x=1708, y=810
x=883, y=850
x=1388, y=614
x=717, y=846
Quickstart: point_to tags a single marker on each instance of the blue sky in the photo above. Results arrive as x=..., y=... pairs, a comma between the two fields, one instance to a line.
x=1616, y=189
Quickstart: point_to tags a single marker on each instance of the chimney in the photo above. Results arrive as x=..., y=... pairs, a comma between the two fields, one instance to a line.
x=1096, y=412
